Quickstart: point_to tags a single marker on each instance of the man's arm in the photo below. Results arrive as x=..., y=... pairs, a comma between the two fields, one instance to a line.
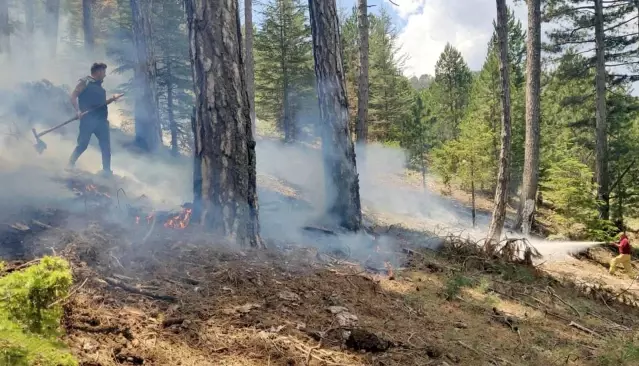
x=76, y=92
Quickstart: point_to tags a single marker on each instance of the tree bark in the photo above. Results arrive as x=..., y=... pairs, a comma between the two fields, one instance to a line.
x=29, y=17
x=5, y=28
x=52, y=20
x=342, y=182
x=601, y=131
x=170, y=105
x=224, y=144
x=362, y=91
x=501, y=192
x=249, y=62
x=87, y=24
x=530, y=177
x=147, y=121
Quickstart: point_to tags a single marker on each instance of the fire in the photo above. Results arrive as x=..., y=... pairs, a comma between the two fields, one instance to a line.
x=92, y=188
x=179, y=221
x=137, y=220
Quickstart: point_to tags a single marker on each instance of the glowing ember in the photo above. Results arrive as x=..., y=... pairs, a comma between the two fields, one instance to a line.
x=180, y=221
x=149, y=218
x=137, y=220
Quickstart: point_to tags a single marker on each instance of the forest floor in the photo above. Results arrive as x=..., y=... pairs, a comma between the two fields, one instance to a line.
x=156, y=292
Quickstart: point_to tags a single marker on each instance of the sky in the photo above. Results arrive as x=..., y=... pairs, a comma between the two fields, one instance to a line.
x=425, y=26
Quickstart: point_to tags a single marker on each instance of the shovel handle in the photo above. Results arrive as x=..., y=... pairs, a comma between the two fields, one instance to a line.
x=38, y=135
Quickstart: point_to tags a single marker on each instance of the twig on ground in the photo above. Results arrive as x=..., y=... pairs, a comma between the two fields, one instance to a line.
x=478, y=351
x=69, y=295
x=129, y=288
x=552, y=292
x=584, y=329
x=310, y=351
x=21, y=266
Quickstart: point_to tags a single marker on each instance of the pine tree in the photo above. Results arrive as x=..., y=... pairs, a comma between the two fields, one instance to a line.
x=87, y=24
x=533, y=90
x=600, y=26
x=453, y=80
x=225, y=188
x=501, y=193
x=5, y=28
x=147, y=122
x=283, y=71
x=337, y=147
x=362, y=89
x=174, y=80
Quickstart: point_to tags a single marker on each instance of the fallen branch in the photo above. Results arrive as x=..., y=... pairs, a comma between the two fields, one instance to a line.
x=552, y=292
x=583, y=329
x=485, y=353
x=129, y=288
x=69, y=295
x=126, y=333
x=21, y=266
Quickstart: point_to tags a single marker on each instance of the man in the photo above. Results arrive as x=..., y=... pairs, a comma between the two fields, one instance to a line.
x=90, y=103
x=624, y=256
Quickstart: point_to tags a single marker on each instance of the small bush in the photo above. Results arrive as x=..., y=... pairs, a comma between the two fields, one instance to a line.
x=27, y=294
x=29, y=322
x=455, y=284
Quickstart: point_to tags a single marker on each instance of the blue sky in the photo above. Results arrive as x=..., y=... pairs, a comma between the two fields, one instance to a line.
x=425, y=26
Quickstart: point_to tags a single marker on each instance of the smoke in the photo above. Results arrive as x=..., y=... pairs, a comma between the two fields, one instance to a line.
x=291, y=184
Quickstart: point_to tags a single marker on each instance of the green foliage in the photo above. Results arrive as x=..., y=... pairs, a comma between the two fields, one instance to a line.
x=30, y=317
x=455, y=284
x=390, y=92
x=450, y=92
x=28, y=294
x=284, y=73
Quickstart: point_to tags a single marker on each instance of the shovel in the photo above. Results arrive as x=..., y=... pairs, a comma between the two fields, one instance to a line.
x=40, y=145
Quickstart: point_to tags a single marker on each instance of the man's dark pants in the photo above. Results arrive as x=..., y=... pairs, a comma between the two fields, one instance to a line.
x=99, y=128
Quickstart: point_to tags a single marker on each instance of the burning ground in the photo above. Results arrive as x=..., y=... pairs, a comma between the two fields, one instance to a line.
x=151, y=289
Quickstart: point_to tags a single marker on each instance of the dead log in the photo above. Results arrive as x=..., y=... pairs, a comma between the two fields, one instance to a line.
x=135, y=290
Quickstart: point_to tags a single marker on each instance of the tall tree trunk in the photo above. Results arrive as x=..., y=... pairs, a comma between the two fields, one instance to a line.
x=473, y=212
x=601, y=131
x=530, y=177
x=87, y=24
x=170, y=105
x=501, y=193
x=362, y=90
x=29, y=17
x=225, y=147
x=5, y=28
x=342, y=182
x=248, y=56
x=147, y=121
x=52, y=20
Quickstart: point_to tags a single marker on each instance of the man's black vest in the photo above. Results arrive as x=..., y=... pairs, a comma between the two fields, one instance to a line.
x=91, y=97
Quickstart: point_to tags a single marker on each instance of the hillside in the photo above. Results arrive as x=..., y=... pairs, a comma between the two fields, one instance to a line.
x=158, y=292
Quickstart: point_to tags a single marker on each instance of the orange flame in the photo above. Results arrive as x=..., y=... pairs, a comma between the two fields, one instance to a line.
x=180, y=221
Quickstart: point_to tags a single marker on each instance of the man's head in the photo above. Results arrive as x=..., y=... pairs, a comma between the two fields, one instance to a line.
x=98, y=71
x=624, y=236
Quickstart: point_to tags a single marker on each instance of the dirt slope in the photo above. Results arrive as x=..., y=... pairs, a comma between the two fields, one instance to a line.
x=169, y=296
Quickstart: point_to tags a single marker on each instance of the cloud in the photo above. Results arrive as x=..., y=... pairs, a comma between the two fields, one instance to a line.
x=430, y=24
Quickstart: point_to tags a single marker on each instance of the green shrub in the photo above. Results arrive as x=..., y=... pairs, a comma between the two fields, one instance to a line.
x=29, y=317
x=28, y=294
x=455, y=284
